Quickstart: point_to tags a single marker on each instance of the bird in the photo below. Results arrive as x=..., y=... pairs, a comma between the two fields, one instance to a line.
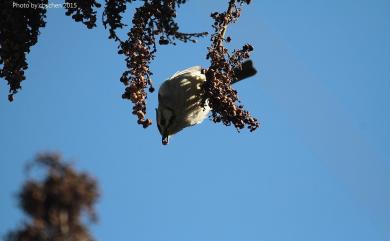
x=179, y=99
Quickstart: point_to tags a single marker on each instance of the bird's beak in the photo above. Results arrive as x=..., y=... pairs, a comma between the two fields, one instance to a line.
x=165, y=140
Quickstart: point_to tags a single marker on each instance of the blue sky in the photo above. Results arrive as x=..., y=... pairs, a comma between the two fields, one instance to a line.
x=318, y=169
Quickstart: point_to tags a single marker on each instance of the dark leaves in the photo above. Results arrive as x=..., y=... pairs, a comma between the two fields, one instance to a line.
x=112, y=16
x=19, y=30
x=82, y=11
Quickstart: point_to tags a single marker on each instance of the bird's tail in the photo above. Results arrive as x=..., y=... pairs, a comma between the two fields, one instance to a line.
x=247, y=70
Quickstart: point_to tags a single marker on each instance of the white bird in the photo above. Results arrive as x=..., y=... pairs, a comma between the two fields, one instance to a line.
x=179, y=99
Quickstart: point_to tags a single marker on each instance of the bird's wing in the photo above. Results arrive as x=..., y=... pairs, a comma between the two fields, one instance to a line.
x=192, y=70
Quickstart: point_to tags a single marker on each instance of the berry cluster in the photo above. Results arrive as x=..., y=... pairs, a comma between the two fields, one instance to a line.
x=19, y=30
x=222, y=98
x=56, y=203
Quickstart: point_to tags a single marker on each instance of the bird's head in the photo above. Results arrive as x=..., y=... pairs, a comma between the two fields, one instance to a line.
x=165, y=123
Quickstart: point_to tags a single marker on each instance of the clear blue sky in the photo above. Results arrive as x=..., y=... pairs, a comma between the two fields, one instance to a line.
x=317, y=170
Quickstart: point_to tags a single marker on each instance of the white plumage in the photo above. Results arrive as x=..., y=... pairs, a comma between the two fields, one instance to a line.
x=180, y=102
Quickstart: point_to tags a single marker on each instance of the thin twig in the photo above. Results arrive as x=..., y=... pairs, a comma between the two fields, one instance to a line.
x=225, y=24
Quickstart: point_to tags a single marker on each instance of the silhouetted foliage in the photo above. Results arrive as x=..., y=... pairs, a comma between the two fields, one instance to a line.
x=19, y=30
x=153, y=23
x=82, y=11
x=55, y=205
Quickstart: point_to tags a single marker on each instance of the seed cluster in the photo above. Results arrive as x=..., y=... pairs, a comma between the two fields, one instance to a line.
x=218, y=91
x=56, y=203
x=82, y=11
x=19, y=30
x=154, y=19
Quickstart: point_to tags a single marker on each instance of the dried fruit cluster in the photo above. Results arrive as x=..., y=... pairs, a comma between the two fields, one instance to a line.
x=19, y=30
x=56, y=203
x=222, y=98
x=155, y=19
x=82, y=11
